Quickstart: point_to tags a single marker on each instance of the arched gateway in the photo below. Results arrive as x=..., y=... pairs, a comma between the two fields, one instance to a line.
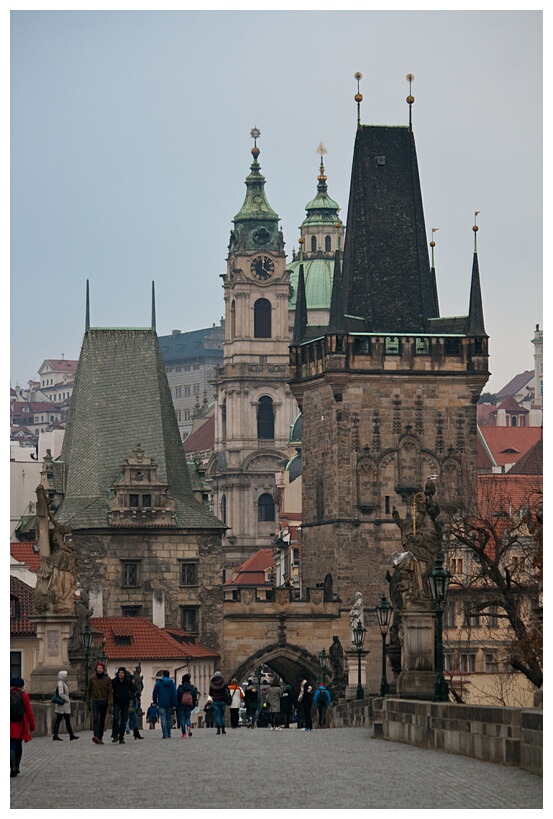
x=291, y=663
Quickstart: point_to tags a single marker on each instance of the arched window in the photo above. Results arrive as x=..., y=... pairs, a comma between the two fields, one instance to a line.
x=233, y=319
x=313, y=244
x=328, y=246
x=262, y=319
x=265, y=418
x=224, y=420
x=265, y=507
x=224, y=508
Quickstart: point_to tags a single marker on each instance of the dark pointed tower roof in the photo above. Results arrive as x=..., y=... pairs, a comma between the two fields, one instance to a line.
x=386, y=273
x=336, y=319
x=122, y=396
x=300, y=316
x=476, y=311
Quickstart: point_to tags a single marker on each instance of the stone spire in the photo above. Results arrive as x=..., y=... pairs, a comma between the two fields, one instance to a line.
x=476, y=311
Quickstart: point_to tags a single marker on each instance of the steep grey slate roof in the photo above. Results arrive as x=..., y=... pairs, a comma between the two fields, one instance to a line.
x=386, y=275
x=122, y=398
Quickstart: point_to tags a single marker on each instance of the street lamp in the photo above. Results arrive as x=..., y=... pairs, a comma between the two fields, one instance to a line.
x=323, y=662
x=87, y=638
x=438, y=580
x=383, y=614
x=358, y=640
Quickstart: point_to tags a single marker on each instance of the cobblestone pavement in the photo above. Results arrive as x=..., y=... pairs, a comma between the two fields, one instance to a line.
x=264, y=769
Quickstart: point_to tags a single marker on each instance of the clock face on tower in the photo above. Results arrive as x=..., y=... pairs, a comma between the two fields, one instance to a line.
x=262, y=268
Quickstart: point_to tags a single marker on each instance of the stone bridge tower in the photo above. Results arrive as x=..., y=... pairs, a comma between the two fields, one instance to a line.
x=388, y=388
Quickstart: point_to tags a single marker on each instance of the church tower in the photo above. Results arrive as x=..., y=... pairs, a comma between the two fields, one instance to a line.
x=388, y=388
x=254, y=404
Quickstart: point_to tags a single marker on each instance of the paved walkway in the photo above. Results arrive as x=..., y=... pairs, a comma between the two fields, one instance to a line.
x=263, y=769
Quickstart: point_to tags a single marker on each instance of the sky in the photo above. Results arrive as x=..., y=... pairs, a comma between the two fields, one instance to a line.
x=130, y=144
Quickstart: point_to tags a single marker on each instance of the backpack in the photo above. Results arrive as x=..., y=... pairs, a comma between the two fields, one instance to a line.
x=17, y=706
x=322, y=698
x=228, y=696
x=187, y=699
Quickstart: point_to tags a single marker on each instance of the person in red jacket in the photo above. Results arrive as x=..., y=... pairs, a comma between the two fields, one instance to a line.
x=22, y=722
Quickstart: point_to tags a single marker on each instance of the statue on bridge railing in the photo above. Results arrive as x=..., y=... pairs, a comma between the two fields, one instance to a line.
x=338, y=683
x=356, y=614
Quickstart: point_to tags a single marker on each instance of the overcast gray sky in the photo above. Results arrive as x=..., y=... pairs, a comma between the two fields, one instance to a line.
x=130, y=145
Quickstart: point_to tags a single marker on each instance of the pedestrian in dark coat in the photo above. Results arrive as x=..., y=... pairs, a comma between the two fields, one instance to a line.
x=306, y=698
x=218, y=692
x=186, y=691
x=20, y=729
x=164, y=696
x=99, y=697
x=287, y=705
x=274, y=704
x=123, y=692
x=322, y=701
x=251, y=701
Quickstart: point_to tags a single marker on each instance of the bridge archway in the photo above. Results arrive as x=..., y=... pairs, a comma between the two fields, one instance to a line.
x=291, y=663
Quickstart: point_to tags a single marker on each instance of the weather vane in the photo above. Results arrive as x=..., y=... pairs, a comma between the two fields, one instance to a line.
x=433, y=244
x=321, y=150
x=358, y=98
x=475, y=228
x=410, y=99
x=255, y=133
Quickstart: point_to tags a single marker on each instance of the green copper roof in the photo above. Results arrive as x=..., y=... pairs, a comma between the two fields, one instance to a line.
x=322, y=209
x=256, y=223
x=121, y=397
x=318, y=282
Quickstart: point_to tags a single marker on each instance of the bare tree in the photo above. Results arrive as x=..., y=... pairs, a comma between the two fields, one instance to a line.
x=497, y=539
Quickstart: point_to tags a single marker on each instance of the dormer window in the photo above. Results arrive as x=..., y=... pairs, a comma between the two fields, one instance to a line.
x=137, y=497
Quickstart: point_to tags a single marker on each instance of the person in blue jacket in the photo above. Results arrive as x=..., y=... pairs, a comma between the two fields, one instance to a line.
x=322, y=701
x=164, y=696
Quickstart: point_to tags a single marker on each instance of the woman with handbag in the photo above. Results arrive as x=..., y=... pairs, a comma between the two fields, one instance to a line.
x=63, y=707
x=22, y=722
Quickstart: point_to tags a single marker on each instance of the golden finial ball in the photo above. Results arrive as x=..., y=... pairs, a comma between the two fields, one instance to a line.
x=358, y=97
x=337, y=224
x=475, y=228
x=358, y=75
x=255, y=151
x=410, y=99
x=410, y=77
x=301, y=240
x=432, y=243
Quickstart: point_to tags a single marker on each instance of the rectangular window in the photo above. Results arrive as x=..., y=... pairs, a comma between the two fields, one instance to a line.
x=16, y=663
x=189, y=574
x=187, y=415
x=189, y=618
x=15, y=607
x=178, y=392
x=490, y=663
x=467, y=663
x=131, y=611
x=472, y=618
x=361, y=346
x=187, y=392
x=387, y=505
x=452, y=346
x=131, y=573
x=456, y=566
x=146, y=501
x=392, y=345
x=491, y=617
x=449, y=615
x=196, y=367
x=196, y=389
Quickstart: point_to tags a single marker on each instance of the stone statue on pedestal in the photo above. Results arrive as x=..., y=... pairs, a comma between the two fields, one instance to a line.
x=337, y=686
x=57, y=571
x=356, y=614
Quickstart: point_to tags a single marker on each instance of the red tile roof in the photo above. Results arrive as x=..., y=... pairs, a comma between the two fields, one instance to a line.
x=26, y=596
x=511, y=405
x=252, y=571
x=508, y=493
x=483, y=417
x=61, y=365
x=531, y=463
x=23, y=553
x=147, y=641
x=505, y=444
x=202, y=439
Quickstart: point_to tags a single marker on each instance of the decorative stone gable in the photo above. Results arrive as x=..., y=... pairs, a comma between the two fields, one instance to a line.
x=139, y=498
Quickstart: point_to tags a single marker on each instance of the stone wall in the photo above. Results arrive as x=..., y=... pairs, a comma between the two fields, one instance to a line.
x=508, y=736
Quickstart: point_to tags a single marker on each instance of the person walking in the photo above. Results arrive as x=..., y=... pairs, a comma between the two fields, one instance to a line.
x=123, y=692
x=274, y=704
x=134, y=706
x=322, y=701
x=251, y=701
x=187, y=700
x=209, y=712
x=306, y=698
x=63, y=711
x=165, y=697
x=287, y=705
x=99, y=697
x=237, y=700
x=152, y=716
x=22, y=722
x=218, y=691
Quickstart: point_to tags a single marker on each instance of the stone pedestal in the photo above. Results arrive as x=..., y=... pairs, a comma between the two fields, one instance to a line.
x=417, y=679
x=53, y=633
x=352, y=656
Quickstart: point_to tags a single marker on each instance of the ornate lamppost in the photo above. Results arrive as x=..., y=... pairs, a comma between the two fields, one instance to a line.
x=324, y=660
x=383, y=614
x=438, y=579
x=87, y=638
x=358, y=639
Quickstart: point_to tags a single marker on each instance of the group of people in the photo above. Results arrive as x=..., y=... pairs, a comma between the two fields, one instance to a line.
x=271, y=704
